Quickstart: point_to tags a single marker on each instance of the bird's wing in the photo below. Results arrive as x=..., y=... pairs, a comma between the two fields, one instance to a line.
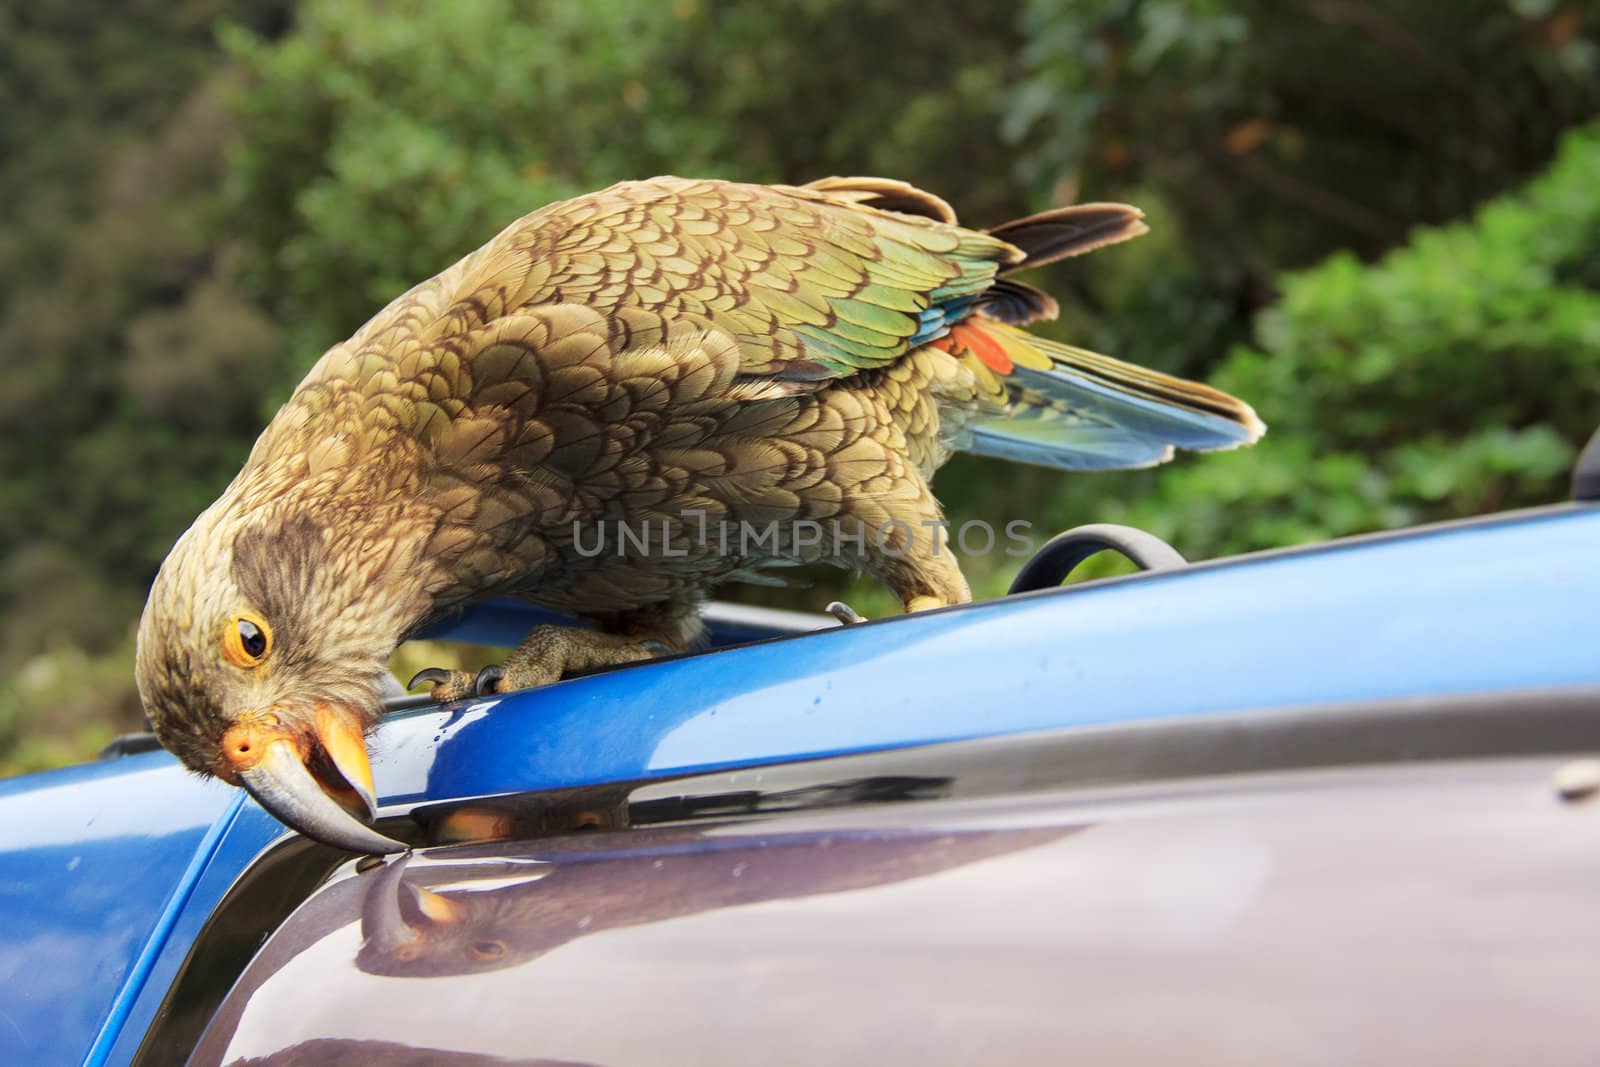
x=813, y=283
x=806, y=285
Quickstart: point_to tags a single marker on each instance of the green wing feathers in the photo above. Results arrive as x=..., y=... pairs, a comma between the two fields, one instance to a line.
x=884, y=260
x=907, y=276
x=844, y=277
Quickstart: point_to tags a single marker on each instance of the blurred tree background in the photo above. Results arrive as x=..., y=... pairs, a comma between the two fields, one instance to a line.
x=1373, y=220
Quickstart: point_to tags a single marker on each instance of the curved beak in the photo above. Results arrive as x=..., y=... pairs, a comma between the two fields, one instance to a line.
x=397, y=915
x=317, y=781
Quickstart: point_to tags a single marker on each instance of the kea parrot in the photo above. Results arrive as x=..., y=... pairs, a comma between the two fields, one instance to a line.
x=718, y=377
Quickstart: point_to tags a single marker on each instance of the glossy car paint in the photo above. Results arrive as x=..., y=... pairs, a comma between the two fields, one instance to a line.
x=1434, y=914
x=1490, y=606
x=87, y=876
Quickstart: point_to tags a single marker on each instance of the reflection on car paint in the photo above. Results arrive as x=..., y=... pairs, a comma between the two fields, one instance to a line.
x=409, y=930
x=1412, y=913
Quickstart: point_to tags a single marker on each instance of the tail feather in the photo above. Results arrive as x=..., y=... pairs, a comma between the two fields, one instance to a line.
x=1060, y=440
x=1069, y=231
x=1071, y=408
x=1017, y=303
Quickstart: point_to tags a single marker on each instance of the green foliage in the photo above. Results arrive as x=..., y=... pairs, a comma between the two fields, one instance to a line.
x=194, y=215
x=98, y=689
x=1456, y=376
x=1273, y=133
x=381, y=141
x=133, y=365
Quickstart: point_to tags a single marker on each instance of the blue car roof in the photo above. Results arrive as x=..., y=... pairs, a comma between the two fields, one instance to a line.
x=109, y=870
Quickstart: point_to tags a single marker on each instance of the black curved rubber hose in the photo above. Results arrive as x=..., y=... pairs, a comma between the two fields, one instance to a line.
x=1061, y=554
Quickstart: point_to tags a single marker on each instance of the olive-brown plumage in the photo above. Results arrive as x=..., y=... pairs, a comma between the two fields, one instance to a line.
x=617, y=403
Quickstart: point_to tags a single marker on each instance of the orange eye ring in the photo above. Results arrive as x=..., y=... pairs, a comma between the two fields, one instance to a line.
x=488, y=950
x=247, y=640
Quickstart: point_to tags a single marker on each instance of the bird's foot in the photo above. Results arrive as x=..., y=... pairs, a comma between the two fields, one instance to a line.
x=547, y=654
x=450, y=685
x=846, y=614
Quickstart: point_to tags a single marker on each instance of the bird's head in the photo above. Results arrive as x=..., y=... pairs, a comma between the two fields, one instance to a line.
x=475, y=916
x=258, y=662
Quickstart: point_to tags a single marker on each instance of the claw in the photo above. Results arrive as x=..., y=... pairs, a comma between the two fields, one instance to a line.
x=846, y=614
x=430, y=675
x=491, y=676
x=657, y=648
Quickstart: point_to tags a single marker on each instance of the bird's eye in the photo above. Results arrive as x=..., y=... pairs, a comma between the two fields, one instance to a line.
x=247, y=640
x=488, y=950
